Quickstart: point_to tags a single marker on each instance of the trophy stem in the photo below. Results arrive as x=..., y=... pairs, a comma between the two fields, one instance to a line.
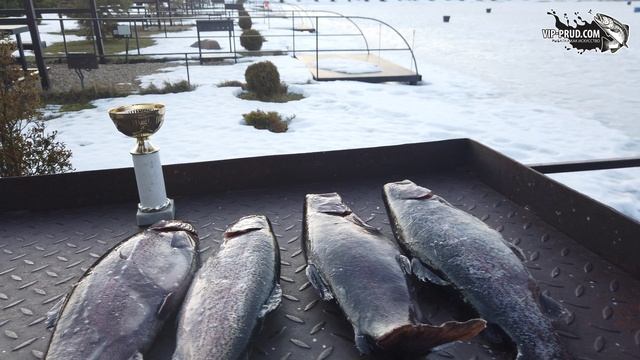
x=154, y=204
x=143, y=146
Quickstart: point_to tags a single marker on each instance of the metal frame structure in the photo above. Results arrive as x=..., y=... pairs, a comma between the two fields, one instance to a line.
x=294, y=49
x=217, y=25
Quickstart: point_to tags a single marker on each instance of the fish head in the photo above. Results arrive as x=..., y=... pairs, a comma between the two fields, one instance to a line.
x=183, y=234
x=406, y=190
x=329, y=203
x=615, y=30
x=246, y=225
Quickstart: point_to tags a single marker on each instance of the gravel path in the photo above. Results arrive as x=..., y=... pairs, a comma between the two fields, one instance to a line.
x=120, y=75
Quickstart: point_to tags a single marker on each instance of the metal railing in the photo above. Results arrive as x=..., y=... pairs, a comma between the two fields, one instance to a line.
x=296, y=40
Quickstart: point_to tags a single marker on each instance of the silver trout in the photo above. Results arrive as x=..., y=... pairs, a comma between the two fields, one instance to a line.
x=118, y=307
x=452, y=247
x=231, y=293
x=367, y=275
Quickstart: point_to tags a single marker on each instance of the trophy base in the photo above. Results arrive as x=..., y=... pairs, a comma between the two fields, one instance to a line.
x=152, y=217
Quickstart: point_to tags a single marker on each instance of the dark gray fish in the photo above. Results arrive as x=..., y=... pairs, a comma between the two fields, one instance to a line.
x=120, y=304
x=451, y=247
x=231, y=293
x=364, y=271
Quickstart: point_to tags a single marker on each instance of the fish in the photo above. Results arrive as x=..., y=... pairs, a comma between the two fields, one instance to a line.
x=364, y=271
x=120, y=304
x=231, y=294
x=617, y=33
x=452, y=248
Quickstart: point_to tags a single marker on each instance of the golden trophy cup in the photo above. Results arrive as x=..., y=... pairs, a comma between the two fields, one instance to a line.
x=140, y=121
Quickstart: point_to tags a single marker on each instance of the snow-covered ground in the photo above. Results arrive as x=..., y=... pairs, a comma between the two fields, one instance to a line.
x=491, y=77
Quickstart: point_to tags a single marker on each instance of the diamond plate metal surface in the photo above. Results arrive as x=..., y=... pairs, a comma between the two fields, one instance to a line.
x=43, y=254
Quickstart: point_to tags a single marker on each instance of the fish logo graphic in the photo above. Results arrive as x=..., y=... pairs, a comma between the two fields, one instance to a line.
x=616, y=34
x=603, y=33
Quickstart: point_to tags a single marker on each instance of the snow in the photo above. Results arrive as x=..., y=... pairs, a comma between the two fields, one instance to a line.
x=490, y=77
x=348, y=66
x=50, y=31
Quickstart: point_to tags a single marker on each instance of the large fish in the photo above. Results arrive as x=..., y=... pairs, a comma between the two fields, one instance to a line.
x=451, y=247
x=120, y=304
x=364, y=271
x=231, y=293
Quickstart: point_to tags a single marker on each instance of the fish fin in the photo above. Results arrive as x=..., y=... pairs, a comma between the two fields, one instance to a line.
x=425, y=274
x=54, y=313
x=164, y=310
x=405, y=264
x=318, y=283
x=173, y=225
x=516, y=250
x=272, y=302
x=421, y=338
x=358, y=221
x=442, y=201
x=552, y=308
x=362, y=342
x=494, y=334
x=136, y=356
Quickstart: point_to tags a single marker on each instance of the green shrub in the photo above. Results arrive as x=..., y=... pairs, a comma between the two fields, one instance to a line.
x=168, y=88
x=263, y=79
x=279, y=98
x=244, y=21
x=251, y=40
x=271, y=121
x=231, y=83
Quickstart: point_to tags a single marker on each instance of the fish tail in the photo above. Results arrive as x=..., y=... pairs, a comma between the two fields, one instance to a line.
x=420, y=338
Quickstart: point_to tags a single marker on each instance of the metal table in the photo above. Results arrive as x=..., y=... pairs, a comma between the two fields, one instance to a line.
x=582, y=252
x=17, y=30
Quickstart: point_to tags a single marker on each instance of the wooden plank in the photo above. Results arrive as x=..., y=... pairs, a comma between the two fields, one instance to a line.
x=387, y=68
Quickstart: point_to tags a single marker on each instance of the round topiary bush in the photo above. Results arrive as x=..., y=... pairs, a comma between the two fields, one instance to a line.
x=263, y=79
x=251, y=40
x=245, y=20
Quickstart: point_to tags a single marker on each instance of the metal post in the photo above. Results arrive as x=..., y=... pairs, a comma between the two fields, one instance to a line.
x=64, y=37
x=135, y=28
x=158, y=14
x=97, y=33
x=199, y=43
x=35, y=39
x=126, y=54
x=317, y=57
x=186, y=61
x=293, y=31
x=23, y=60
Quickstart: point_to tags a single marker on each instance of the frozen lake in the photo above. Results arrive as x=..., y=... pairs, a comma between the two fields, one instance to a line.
x=491, y=77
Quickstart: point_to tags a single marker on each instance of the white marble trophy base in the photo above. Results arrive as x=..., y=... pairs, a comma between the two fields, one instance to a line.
x=152, y=217
x=154, y=204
